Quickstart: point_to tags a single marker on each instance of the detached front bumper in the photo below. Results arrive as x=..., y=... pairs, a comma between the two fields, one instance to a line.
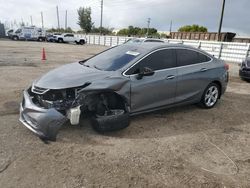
x=43, y=122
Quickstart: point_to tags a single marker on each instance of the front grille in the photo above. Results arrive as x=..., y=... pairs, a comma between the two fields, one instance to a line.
x=38, y=90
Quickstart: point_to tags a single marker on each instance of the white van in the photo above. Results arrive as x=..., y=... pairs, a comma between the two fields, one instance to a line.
x=29, y=33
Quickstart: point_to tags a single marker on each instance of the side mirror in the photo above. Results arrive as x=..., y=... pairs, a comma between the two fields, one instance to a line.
x=146, y=71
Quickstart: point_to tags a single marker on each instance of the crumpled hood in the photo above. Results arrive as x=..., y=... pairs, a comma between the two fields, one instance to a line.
x=70, y=75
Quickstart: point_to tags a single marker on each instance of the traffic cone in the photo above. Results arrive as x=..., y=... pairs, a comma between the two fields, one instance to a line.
x=43, y=55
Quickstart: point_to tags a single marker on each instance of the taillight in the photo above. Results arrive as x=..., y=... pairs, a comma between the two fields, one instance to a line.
x=226, y=66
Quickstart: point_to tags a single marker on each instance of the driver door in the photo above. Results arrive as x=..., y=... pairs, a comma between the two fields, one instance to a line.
x=158, y=89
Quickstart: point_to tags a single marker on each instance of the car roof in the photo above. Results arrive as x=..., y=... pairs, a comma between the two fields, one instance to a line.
x=150, y=46
x=143, y=39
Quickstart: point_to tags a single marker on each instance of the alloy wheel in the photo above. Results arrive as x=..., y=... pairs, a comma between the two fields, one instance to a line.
x=211, y=96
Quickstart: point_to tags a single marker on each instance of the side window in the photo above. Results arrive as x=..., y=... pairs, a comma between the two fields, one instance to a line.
x=186, y=57
x=190, y=57
x=18, y=31
x=203, y=58
x=162, y=59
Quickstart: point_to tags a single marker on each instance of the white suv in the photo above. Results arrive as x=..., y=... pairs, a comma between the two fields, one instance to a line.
x=142, y=40
x=69, y=38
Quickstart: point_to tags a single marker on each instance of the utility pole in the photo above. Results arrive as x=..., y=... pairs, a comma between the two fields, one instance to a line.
x=66, y=19
x=58, y=23
x=221, y=20
x=170, y=28
x=101, y=16
x=42, y=19
x=31, y=21
x=149, y=20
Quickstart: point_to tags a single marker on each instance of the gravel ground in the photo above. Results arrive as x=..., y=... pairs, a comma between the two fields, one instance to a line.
x=178, y=147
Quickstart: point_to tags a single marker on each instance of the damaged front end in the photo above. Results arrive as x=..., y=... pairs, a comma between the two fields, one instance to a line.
x=44, y=111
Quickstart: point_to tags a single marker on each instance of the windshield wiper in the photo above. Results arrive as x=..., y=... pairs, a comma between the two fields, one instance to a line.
x=83, y=63
x=97, y=67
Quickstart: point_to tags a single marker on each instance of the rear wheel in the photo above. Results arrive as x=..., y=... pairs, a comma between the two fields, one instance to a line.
x=60, y=40
x=210, y=96
x=40, y=39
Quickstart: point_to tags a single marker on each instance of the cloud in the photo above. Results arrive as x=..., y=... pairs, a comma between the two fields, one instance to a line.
x=122, y=13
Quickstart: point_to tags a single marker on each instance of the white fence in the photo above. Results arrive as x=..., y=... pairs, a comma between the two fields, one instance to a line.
x=228, y=51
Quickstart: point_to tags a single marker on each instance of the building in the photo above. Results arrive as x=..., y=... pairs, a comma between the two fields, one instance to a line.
x=211, y=36
x=2, y=30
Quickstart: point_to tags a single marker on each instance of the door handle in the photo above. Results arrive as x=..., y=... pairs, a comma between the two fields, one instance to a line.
x=170, y=77
x=203, y=70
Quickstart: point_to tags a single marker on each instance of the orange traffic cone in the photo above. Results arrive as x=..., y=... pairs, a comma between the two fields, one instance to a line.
x=43, y=55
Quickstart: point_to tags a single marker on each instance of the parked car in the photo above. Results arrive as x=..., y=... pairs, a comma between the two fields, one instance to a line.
x=50, y=38
x=126, y=80
x=9, y=33
x=69, y=38
x=141, y=40
x=244, y=71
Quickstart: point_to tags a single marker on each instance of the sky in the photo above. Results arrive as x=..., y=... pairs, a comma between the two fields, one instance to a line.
x=122, y=13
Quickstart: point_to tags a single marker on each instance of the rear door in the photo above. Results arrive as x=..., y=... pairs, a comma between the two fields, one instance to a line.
x=68, y=38
x=158, y=89
x=194, y=70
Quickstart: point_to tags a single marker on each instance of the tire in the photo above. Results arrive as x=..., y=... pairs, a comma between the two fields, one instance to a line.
x=119, y=119
x=82, y=42
x=15, y=38
x=40, y=39
x=60, y=40
x=210, y=96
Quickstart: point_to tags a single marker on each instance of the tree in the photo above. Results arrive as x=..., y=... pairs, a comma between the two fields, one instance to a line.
x=192, y=28
x=105, y=31
x=137, y=31
x=60, y=30
x=84, y=19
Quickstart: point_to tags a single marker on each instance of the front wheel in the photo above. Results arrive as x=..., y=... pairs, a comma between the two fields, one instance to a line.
x=82, y=42
x=115, y=120
x=15, y=38
x=60, y=40
x=210, y=96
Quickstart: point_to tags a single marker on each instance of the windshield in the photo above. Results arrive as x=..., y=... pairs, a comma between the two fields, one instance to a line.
x=135, y=41
x=112, y=59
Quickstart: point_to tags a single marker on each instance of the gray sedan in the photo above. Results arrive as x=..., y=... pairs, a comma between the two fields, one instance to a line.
x=122, y=81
